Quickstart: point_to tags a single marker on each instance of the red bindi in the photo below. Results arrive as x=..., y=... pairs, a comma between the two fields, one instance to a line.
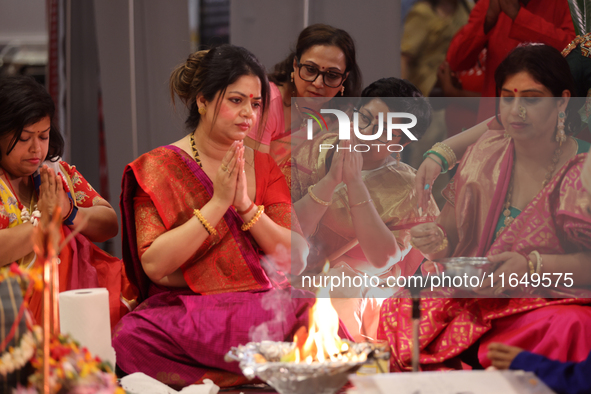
x=515, y=90
x=251, y=95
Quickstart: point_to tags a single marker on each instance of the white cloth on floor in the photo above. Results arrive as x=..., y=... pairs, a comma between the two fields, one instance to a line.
x=140, y=383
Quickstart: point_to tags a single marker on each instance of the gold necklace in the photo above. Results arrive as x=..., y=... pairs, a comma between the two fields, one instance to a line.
x=507, y=209
x=194, y=149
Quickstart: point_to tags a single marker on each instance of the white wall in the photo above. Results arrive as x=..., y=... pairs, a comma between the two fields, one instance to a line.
x=270, y=28
x=23, y=20
x=161, y=42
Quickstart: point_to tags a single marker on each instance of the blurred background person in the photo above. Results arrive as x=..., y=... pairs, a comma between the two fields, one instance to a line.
x=501, y=25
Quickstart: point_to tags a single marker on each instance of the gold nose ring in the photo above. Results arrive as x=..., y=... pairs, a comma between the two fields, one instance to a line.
x=522, y=113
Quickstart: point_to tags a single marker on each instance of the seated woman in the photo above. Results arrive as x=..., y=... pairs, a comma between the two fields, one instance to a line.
x=198, y=215
x=514, y=200
x=357, y=208
x=322, y=66
x=30, y=148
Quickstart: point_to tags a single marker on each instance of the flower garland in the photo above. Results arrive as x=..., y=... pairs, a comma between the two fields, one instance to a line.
x=17, y=357
x=73, y=369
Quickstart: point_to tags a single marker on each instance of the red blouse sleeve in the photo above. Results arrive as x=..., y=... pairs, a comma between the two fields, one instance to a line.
x=470, y=40
x=84, y=193
x=273, y=192
x=530, y=27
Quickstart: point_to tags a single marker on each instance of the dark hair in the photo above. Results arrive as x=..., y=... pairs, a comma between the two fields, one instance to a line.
x=23, y=102
x=402, y=96
x=211, y=71
x=546, y=66
x=320, y=34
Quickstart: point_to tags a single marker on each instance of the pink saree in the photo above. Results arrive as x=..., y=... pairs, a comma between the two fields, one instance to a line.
x=553, y=223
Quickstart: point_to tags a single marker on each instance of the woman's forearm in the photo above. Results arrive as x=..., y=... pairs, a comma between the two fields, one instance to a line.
x=99, y=223
x=268, y=234
x=173, y=248
x=308, y=211
x=576, y=265
x=375, y=239
x=15, y=242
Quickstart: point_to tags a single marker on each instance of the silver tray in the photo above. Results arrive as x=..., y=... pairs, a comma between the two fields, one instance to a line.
x=299, y=378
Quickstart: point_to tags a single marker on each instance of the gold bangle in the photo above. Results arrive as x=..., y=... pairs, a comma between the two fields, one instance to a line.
x=205, y=223
x=538, y=261
x=361, y=203
x=448, y=152
x=530, y=265
x=442, y=246
x=313, y=197
x=255, y=218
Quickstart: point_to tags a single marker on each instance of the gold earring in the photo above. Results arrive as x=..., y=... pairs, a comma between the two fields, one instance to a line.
x=560, y=134
x=202, y=111
x=292, y=77
x=522, y=113
x=342, y=90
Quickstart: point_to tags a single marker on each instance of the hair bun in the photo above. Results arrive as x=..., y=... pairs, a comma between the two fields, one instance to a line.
x=183, y=77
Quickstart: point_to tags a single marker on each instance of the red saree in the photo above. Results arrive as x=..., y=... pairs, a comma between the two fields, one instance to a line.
x=180, y=335
x=553, y=223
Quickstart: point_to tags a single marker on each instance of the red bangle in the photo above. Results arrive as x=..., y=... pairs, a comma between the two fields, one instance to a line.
x=246, y=210
x=442, y=229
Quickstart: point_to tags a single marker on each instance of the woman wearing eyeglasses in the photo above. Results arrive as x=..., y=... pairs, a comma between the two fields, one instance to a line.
x=322, y=66
x=356, y=208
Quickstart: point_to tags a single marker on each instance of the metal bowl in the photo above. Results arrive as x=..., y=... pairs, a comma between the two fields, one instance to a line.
x=479, y=267
x=299, y=378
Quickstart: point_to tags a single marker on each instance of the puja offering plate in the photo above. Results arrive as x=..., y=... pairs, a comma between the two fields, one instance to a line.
x=273, y=363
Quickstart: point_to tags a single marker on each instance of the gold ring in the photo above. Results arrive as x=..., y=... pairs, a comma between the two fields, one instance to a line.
x=224, y=168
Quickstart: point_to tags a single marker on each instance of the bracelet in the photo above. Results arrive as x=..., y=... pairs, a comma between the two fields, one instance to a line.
x=443, y=243
x=69, y=219
x=361, y=203
x=449, y=153
x=443, y=159
x=443, y=232
x=247, y=210
x=442, y=246
x=438, y=163
x=538, y=261
x=530, y=264
x=313, y=197
x=35, y=217
x=205, y=223
x=256, y=217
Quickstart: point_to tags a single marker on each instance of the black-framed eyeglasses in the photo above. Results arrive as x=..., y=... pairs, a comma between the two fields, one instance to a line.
x=364, y=121
x=309, y=73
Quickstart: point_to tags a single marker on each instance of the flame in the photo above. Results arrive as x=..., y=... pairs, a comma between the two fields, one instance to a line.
x=321, y=342
x=297, y=349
